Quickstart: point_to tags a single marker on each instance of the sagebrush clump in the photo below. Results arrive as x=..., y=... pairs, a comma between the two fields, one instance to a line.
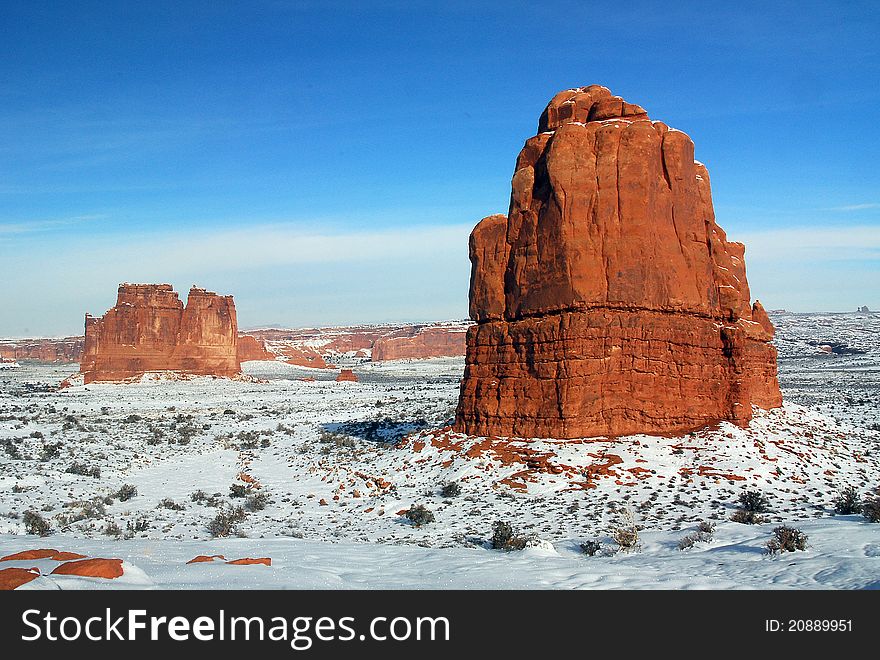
x=848, y=502
x=418, y=515
x=505, y=537
x=34, y=523
x=871, y=506
x=752, y=504
x=225, y=523
x=786, y=539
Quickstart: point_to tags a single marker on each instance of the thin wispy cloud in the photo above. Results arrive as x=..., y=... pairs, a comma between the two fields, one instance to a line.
x=812, y=245
x=27, y=227
x=856, y=207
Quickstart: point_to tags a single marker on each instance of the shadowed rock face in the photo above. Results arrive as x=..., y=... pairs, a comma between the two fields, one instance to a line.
x=609, y=301
x=149, y=329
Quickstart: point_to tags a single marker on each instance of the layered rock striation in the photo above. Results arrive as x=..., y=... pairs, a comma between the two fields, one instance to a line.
x=150, y=329
x=419, y=342
x=608, y=301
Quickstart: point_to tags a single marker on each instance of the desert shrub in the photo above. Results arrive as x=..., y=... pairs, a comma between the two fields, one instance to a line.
x=450, y=489
x=626, y=535
x=786, y=539
x=84, y=470
x=224, y=523
x=418, y=515
x=34, y=523
x=256, y=502
x=37, y=435
x=112, y=529
x=131, y=419
x=706, y=527
x=171, y=505
x=848, y=501
x=238, y=490
x=93, y=508
x=50, y=450
x=504, y=537
x=753, y=501
x=747, y=517
x=139, y=525
x=12, y=450
x=126, y=492
x=871, y=506
x=590, y=548
x=201, y=497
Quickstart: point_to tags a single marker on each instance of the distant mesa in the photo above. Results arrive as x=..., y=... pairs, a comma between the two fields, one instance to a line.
x=150, y=329
x=608, y=301
x=347, y=375
x=420, y=342
x=864, y=309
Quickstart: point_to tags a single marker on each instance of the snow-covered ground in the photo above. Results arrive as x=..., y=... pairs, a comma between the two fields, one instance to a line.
x=324, y=471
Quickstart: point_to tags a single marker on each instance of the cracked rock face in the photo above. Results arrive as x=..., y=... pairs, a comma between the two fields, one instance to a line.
x=149, y=329
x=608, y=301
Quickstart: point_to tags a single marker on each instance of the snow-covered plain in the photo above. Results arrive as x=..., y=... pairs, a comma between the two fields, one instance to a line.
x=339, y=463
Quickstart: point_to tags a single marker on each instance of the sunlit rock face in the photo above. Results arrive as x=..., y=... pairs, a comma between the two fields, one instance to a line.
x=608, y=301
x=150, y=329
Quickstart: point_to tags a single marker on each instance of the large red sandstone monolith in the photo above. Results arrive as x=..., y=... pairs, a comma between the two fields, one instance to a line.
x=608, y=301
x=149, y=329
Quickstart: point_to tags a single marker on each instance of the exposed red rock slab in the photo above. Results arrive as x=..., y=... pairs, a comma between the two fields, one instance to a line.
x=250, y=348
x=101, y=568
x=608, y=301
x=30, y=555
x=13, y=578
x=247, y=561
x=347, y=375
x=201, y=559
x=149, y=329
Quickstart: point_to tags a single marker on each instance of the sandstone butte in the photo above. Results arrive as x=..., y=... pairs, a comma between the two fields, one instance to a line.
x=150, y=329
x=419, y=342
x=608, y=301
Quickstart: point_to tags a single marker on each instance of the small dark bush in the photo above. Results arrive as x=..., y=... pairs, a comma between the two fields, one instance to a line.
x=37, y=435
x=418, y=515
x=504, y=537
x=171, y=505
x=746, y=517
x=34, y=523
x=238, y=490
x=706, y=527
x=786, y=539
x=224, y=523
x=112, y=529
x=84, y=470
x=126, y=492
x=50, y=450
x=139, y=525
x=450, y=489
x=256, y=502
x=871, y=507
x=753, y=501
x=590, y=548
x=848, y=502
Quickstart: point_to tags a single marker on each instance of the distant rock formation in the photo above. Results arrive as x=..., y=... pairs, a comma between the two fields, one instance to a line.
x=250, y=348
x=419, y=342
x=347, y=375
x=63, y=351
x=864, y=309
x=608, y=301
x=149, y=329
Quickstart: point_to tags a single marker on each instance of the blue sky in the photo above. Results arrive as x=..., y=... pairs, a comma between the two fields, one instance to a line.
x=325, y=161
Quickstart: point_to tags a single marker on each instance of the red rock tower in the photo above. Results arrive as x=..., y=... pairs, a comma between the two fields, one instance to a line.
x=149, y=329
x=608, y=301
